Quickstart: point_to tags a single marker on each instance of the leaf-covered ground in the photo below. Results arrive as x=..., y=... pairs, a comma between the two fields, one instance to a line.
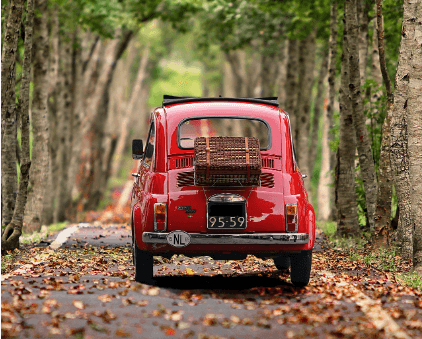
x=85, y=289
x=89, y=292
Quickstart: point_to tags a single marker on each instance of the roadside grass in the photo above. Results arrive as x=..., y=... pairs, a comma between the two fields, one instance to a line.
x=385, y=260
x=28, y=238
x=411, y=279
x=7, y=262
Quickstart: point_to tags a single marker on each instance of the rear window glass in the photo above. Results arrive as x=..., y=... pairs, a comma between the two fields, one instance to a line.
x=190, y=129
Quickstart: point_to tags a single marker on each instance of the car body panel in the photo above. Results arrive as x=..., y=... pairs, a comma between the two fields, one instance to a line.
x=187, y=204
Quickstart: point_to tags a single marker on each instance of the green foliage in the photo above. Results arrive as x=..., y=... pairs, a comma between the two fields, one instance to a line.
x=234, y=24
x=175, y=79
x=348, y=244
x=329, y=228
x=28, y=238
x=7, y=262
x=411, y=279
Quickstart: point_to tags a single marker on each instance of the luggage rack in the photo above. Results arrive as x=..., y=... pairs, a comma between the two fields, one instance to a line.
x=170, y=100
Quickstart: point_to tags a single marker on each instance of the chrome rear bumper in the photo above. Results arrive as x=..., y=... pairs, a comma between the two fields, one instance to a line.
x=233, y=239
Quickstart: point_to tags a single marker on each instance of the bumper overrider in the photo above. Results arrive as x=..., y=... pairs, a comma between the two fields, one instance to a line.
x=230, y=239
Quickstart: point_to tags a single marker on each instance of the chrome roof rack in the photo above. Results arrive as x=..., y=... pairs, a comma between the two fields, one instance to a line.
x=170, y=100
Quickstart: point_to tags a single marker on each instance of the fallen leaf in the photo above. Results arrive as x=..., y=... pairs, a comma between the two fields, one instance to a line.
x=78, y=304
x=122, y=333
x=105, y=298
x=190, y=271
x=170, y=331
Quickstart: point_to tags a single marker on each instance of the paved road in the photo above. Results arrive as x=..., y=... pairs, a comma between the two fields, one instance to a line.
x=85, y=289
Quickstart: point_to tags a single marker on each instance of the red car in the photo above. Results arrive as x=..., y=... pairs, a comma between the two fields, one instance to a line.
x=173, y=214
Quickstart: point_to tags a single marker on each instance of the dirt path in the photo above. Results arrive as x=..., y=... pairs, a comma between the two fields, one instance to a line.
x=85, y=289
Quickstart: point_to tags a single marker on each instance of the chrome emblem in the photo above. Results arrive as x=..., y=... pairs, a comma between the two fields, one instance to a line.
x=178, y=238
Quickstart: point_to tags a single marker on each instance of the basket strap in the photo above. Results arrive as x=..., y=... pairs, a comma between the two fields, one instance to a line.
x=207, y=175
x=248, y=164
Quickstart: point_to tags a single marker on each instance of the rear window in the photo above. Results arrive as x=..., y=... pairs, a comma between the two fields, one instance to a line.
x=191, y=128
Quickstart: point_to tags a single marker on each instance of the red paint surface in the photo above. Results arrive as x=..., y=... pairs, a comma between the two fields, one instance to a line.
x=265, y=206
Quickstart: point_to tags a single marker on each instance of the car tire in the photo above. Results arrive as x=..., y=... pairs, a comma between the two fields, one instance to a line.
x=282, y=262
x=300, y=269
x=143, y=262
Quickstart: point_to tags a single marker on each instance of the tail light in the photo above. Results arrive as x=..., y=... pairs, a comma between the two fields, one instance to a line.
x=160, y=216
x=291, y=218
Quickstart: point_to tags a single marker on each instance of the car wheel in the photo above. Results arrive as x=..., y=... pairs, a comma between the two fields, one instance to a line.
x=282, y=262
x=143, y=262
x=300, y=269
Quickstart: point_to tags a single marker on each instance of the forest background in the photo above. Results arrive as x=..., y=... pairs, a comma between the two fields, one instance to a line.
x=80, y=78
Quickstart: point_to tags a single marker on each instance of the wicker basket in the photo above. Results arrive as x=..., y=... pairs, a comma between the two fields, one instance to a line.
x=227, y=161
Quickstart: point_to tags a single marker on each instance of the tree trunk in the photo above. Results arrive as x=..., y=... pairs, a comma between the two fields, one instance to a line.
x=383, y=229
x=306, y=80
x=8, y=111
x=64, y=123
x=252, y=71
x=282, y=78
x=85, y=60
x=347, y=217
x=12, y=232
x=331, y=101
x=363, y=9
x=119, y=101
x=414, y=111
x=324, y=175
x=38, y=175
x=291, y=83
x=92, y=183
x=366, y=159
x=376, y=74
x=269, y=73
x=234, y=59
x=399, y=140
x=318, y=103
x=124, y=127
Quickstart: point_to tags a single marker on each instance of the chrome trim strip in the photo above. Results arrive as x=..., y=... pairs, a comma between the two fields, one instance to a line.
x=233, y=239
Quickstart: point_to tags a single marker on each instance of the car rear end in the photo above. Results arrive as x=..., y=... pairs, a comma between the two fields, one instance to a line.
x=231, y=221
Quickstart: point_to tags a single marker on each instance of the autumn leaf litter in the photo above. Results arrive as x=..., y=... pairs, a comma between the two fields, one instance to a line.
x=39, y=277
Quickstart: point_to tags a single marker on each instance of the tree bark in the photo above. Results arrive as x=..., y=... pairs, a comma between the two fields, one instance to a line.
x=306, y=80
x=234, y=59
x=85, y=61
x=324, y=188
x=331, y=101
x=252, y=70
x=40, y=125
x=291, y=83
x=382, y=224
x=363, y=10
x=269, y=73
x=414, y=111
x=318, y=103
x=347, y=217
x=12, y=232
x=376, y=74
x=282, y=78
x=8, y=110
x=399, y=139
x=92, y=182
x=366, y=159
x=130, y=109
x=64, y=123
